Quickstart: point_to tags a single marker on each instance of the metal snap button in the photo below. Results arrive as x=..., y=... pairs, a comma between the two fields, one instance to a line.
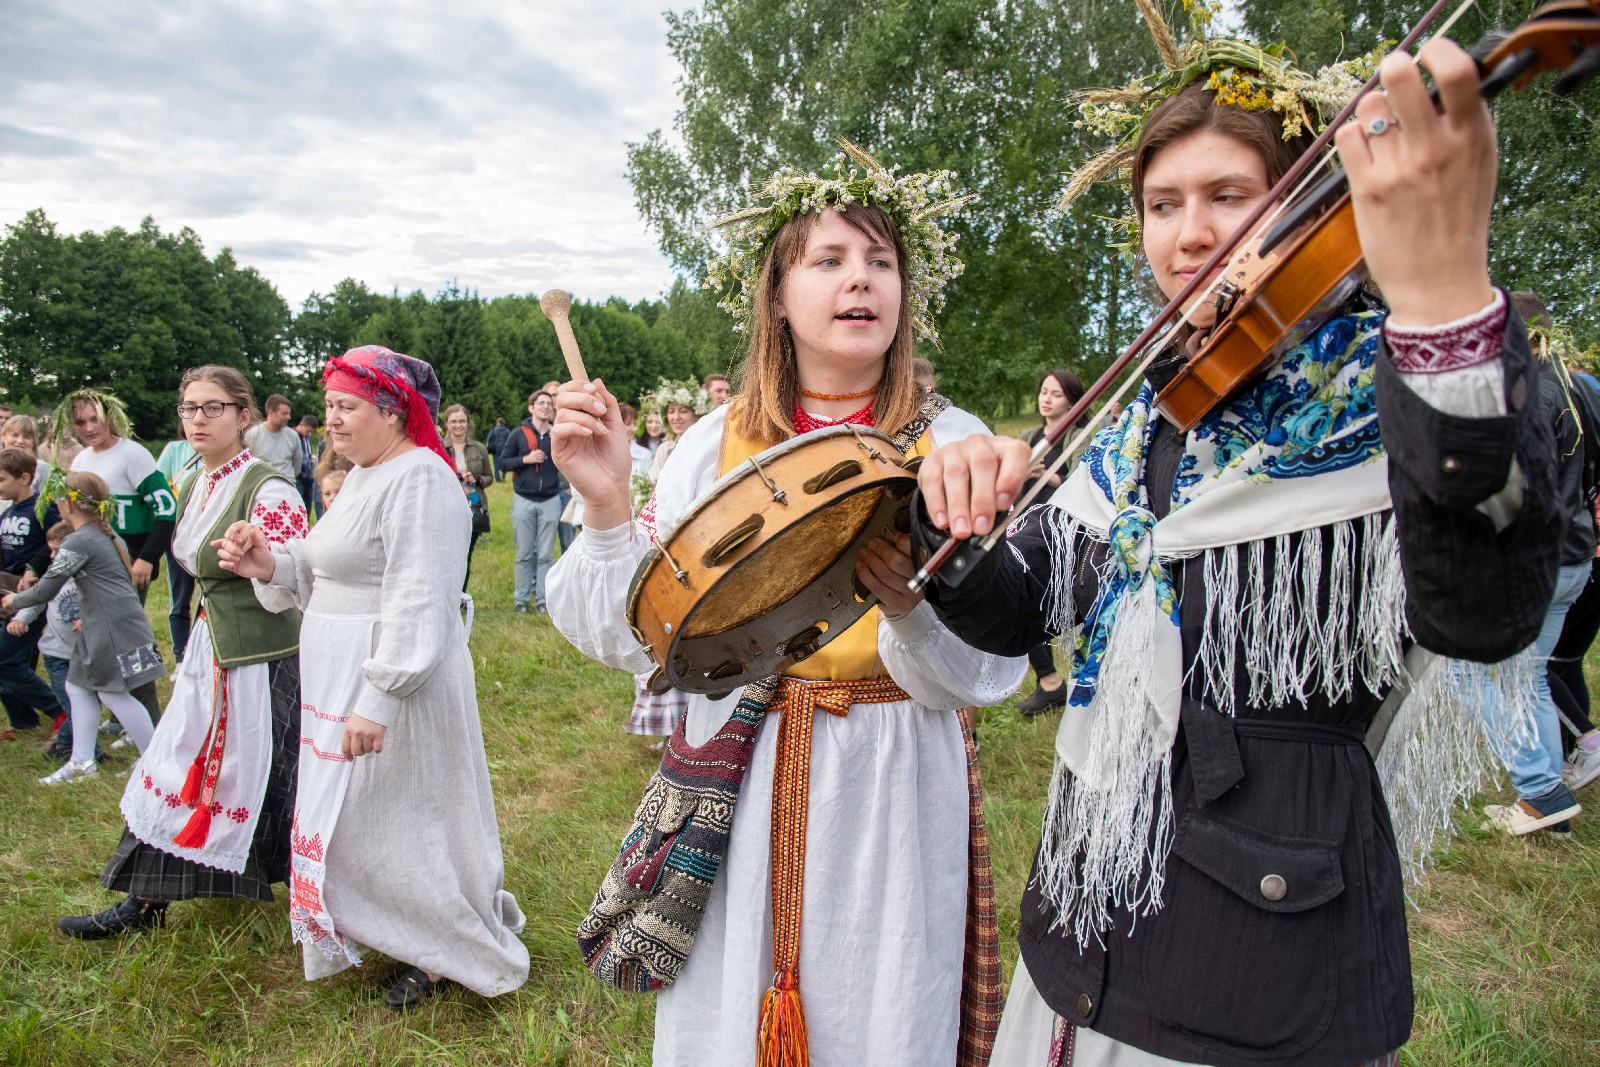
x=1085, y=1005
x=1273, y=887
x=1450, y=464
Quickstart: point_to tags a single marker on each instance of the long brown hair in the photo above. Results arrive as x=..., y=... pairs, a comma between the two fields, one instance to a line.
x=230, y=381
x=94, y=492
x=769, y=380
x=1194, y=108
x=1071, y=387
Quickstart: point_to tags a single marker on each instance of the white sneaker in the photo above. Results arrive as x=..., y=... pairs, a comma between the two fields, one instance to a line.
x=121, y=742
x=1583, y=767
x=70, y=770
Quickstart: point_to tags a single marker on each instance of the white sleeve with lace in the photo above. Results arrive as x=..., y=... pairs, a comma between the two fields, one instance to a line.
x=939, y=669
x=588, y=592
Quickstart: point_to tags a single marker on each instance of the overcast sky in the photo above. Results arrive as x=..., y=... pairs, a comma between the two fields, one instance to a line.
x=404, y=144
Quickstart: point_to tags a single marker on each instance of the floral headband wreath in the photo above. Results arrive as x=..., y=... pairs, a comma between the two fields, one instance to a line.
x=913, y=201
x=666, y=393
x=1241, y=73
x=84, y=501
x=113, y=410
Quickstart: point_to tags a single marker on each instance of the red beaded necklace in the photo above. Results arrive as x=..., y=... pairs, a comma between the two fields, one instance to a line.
x=805, y=423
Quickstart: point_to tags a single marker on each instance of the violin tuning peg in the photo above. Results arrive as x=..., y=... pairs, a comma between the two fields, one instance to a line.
x=1577, y=76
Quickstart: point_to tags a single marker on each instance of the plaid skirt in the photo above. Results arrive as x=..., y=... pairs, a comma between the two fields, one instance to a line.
x=656, y=715
x=137, y=868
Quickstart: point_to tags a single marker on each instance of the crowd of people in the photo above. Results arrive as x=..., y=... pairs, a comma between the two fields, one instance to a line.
x=1281, y=640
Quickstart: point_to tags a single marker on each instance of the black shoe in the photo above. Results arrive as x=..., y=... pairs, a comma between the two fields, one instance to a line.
x=412, y=988
x=1042, y=700
x=124, y=917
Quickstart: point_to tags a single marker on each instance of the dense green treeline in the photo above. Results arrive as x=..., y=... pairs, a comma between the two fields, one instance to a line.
x=130, y=310
x=984, y=89
x=974, y=86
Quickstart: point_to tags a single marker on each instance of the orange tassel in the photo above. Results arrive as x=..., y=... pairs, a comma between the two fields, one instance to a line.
x=782, y=1041
x=196, y=830
x=190, y=794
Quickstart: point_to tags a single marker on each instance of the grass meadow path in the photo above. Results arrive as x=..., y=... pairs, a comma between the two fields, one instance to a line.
x=1506, y=937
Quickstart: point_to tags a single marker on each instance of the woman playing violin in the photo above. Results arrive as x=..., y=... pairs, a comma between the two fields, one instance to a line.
x=1219, y=878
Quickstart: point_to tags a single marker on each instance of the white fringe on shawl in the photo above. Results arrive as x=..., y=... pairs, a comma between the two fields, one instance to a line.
x=1109, y=824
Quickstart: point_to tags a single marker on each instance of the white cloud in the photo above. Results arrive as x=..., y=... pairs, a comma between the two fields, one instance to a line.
x=403, y=144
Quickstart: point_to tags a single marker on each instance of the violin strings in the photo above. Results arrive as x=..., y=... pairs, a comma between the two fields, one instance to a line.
x=1455, y=16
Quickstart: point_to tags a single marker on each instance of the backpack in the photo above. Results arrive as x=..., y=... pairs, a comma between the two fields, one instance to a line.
x=1585, y=396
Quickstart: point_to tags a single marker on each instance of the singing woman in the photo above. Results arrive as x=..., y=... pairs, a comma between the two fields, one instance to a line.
x=832, y=294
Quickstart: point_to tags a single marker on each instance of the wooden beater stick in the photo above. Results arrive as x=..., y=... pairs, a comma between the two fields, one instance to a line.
x=557, y=306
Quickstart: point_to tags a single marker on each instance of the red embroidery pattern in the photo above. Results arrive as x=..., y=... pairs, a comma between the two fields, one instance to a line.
x=314, y=710
x=170, y=798
x=281, y=522
x=311, y=847
x=1466, y=342
x=335, y=757
x=647, y=518
x=216, y=477
x=303, y=893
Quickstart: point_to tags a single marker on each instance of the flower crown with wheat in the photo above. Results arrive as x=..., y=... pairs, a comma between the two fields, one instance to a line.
x=914, y=201
x=1241, y=73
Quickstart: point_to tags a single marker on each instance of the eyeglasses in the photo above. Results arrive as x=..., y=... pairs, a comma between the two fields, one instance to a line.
x=213, y=409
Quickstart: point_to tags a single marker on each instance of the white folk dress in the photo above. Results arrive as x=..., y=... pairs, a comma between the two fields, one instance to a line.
x=150, y=802
x=886, y=861
x=396, y=851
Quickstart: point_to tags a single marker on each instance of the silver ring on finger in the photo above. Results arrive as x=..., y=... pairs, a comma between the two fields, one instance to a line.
x=1380, y=126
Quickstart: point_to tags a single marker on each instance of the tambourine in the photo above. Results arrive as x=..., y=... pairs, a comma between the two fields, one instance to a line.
x=760, y=573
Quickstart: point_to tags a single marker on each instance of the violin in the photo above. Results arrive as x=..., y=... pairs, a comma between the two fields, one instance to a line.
x=1279, y=282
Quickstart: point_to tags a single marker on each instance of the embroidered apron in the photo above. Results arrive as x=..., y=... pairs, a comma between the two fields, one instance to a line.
x=331, y=649
x=152, y=804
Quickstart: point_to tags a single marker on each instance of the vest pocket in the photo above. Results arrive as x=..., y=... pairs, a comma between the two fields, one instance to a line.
x=1242, y=955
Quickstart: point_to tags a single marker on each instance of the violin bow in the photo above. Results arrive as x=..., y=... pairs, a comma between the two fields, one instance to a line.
x=968, y=551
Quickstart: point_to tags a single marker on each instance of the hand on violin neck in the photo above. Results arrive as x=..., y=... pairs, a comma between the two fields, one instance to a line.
x=966, y=485
x=1422, y=182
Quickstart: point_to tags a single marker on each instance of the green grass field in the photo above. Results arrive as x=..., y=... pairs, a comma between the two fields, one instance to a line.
x=1504, y=937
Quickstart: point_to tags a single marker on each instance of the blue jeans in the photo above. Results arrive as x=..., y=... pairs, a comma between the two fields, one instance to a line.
x=533, y=528
x=1536, y=768
x=56, y=668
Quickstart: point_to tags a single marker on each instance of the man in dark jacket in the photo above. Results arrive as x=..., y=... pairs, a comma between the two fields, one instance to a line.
x=498, y=433
x=536, y=505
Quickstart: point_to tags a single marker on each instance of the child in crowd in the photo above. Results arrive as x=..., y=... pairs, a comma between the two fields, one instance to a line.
x=329, y=485
x=23, y=548
x=55, y=641
x=116, y=652
x=21, y=431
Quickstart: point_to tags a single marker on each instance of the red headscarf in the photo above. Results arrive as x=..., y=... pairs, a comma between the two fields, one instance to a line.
x=396, y=383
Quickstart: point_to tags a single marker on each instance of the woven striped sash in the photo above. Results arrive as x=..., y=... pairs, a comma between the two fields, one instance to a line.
x=781, y=1041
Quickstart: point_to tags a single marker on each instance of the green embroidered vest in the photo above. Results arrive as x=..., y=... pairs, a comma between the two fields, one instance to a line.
x=242, y=631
